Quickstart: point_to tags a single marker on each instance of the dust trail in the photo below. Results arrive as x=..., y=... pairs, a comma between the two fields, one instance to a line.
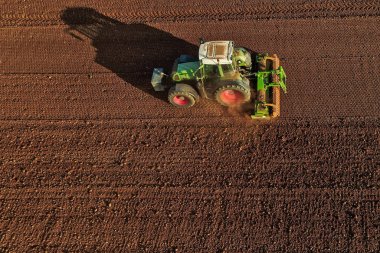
x=241, y=113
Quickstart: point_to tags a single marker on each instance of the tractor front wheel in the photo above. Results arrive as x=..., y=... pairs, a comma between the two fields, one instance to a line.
x=232, y=95
x=181, y=99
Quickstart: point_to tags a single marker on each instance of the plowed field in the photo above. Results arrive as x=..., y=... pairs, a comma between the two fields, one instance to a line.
x=93, y=160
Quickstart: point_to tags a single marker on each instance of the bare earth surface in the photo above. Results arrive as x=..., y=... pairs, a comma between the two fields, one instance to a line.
x=92, y=160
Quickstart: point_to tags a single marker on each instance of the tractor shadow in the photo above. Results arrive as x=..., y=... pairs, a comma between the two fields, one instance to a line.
x=131, y=51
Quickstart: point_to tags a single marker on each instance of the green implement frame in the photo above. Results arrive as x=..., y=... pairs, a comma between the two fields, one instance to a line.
x=266, y=81
x=263, y=76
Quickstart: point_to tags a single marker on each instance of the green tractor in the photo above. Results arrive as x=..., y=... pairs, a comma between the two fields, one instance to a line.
x=226, y=74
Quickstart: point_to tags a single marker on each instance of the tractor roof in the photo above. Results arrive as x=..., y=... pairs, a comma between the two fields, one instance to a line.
x=214, y=52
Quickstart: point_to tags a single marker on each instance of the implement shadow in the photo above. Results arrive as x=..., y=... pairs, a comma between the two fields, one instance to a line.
x=129, y=50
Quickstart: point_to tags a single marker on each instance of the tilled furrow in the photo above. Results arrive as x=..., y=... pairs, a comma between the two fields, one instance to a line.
x=279, y=10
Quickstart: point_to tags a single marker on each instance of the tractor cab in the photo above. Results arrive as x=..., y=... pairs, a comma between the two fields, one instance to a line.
x=216, y=52
x=218, y=76
x=216, y=59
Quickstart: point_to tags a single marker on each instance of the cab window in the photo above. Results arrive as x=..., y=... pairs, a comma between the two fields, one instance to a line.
x=212, y=70
x=227, y=68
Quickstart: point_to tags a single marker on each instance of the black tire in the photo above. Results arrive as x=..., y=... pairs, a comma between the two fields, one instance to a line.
x=181, y=98
x=240, y=97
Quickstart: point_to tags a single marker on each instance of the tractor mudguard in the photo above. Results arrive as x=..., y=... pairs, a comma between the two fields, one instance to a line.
x=243, y=57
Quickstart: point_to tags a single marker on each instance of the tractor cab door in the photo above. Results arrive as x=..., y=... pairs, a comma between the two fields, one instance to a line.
x=211, y=77
x=202, y=81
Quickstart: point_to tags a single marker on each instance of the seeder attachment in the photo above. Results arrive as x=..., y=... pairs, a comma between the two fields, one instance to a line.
x=271, y=78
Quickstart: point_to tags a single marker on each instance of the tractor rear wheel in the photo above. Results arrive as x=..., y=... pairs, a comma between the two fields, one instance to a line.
x=232, y=95
x=181, y=98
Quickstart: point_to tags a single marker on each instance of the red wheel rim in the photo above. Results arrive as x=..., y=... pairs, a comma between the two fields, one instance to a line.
x=181, y=100
x=231, y=97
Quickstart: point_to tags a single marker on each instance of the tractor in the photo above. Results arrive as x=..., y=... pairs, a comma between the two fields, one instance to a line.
x=227, y=74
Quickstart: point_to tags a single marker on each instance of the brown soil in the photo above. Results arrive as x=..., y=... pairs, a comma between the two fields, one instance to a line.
x=93, y=160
